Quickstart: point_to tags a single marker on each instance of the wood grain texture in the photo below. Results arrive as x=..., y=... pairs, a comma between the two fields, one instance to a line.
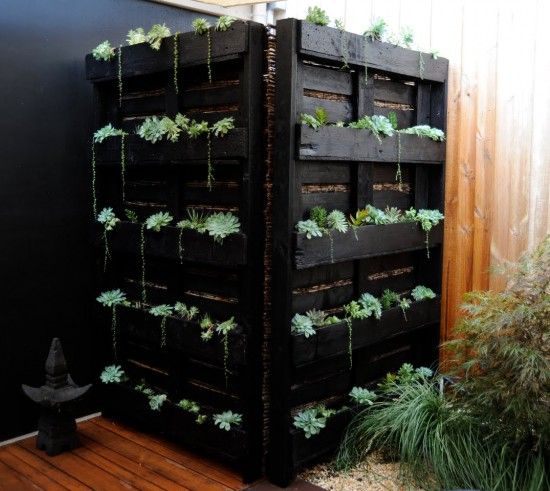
x=497, y=198
x=112, y=457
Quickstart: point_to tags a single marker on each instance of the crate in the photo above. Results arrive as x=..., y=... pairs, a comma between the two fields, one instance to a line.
x=222, y=279
x=345, y=169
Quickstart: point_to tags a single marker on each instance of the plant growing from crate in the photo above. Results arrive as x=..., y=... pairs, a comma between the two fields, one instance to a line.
x=154, y=129
x=156, y=400
x=226, y=419
x=193, y=408
x=113, y=374
x=99, y=136
x=109, y=221
x=154, y=223
x=163, y=311
x=202, y=26
x=223, y=329
x=311, y=421
x=375, y=32
x=218, y=225
x=113, y=299
x=316, y=15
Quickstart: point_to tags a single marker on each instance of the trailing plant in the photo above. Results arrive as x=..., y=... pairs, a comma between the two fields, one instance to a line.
x=119, y=75
x=175, y=64
x=136, y=36
x=155, y=223
x=354, y=311
x=193, y=408
x=319, y=119
x=427, y=220
x=109, y=220
x=156, y=35
x=113, y=374
x=302, y=325
x=362, y=396
x=224, y=22
x=112, y=299
x=321, y=223
x=311, y=421
x=99, y=136
x=202, y=26
x=316, y=15
x=421, y=65
x=162, y=311
x=103, y=51
x=223, y=329
x=404, y=304
x=425, y=131
x=420, y=293
x=344, y=51
x=225, y=420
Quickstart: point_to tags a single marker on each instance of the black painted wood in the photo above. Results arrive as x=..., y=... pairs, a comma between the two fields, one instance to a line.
x=345, y=169
x=363, y=242
x=348, y=144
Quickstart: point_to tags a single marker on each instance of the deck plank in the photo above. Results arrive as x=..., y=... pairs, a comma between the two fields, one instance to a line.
x=112, y=457
x=44, y=467
x=172, y=451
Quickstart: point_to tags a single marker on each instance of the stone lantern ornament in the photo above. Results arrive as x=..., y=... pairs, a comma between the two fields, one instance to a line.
x=56, y=426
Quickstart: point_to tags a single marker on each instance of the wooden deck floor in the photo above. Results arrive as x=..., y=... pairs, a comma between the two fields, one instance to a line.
x=112, y=457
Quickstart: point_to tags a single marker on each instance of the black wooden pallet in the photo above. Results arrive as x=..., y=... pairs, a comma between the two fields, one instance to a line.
x=220, y=279
x=345, y=169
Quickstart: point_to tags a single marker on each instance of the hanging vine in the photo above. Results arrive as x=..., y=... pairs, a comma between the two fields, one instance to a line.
x=398, y=175
x=209, y=55
x=119, y=76
x=176, y=88
x=210, y=172
x=94, y=195
x=142, y=253
x=224, y=328
x=180, y=244
x=112, y=299
x=123, y=166
x=421, y=65
x=202, y=26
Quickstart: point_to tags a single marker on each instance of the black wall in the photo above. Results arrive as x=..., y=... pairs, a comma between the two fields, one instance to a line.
x=46, y=265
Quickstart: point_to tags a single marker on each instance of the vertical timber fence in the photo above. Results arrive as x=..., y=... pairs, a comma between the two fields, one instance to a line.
x=269, y=171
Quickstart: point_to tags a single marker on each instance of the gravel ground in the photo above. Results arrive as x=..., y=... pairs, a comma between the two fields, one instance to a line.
x=372, y=475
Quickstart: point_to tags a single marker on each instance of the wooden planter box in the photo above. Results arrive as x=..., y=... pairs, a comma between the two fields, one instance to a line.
x=141, y=59
x=165, y=244
x=141, y=152
x=372, y=240
x=350, y=144
x=122, y=401
x=181, y=336
x=333, y=340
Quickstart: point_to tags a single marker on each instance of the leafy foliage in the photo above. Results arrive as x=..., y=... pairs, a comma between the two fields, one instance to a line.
x=136, y=36
x=312, y=421
x=224, y=22
x=156, y=401
x=318, y=16
x=108, y=218
x=377, y=30
x=392, y=117
x=309, y=228
x=425, y=131
x=422, y=293
x=502, y=353
x=162, y=310
x=407, y=37
x=187, y=312
x=156, y=34
x=106, y=132
x=221, y=128
x=151, y=129
x=371, y=305
x=378, y=125
x=158, y=220
x=302, y=325
x=363, y=396
x=336, y=220
x=196, y=221
x=103, y=51
x=113, y=374
x=226, y=419
x=218, y=225
x=207, y=327
x=112, y=298
x=320, y=118
x=389, y=299
x=319, y=215
x=200, y=25
x=197, y=129
x=131, y=215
